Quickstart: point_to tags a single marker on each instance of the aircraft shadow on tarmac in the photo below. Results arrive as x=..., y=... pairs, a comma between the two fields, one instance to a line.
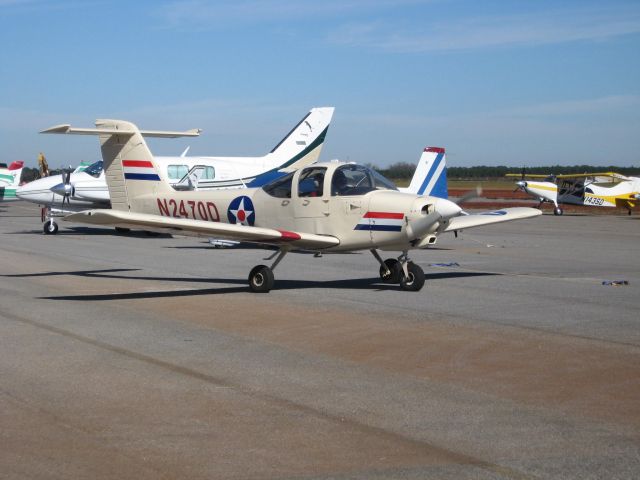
x=97, y=231
x=281, y=284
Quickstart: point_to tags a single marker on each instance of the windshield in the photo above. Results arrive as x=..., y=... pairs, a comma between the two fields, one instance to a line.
x=355, y=179
x=94, y=169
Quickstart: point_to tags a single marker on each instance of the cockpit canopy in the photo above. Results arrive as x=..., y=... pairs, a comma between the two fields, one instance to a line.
x=346, y=180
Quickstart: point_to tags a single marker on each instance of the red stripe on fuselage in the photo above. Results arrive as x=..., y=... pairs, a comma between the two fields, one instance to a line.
x=137, y=163
x=391, y=216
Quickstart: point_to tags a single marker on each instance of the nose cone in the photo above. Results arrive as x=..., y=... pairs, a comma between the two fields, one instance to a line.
x=39, y=191
x=522, y=184
x=447, y=209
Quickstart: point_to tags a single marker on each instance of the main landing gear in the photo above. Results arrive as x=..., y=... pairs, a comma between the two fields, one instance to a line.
x=558, y=211
x=403, y=271
x=261, y=277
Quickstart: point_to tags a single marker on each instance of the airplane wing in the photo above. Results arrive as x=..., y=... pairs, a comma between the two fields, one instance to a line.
x=601, y=174
x=184, y=226
x=528, y=175
x=487, y=218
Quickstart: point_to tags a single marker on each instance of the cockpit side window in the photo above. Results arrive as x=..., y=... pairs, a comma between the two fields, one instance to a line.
x=94, y=169
x=311, y=182
x=355, y=179
x=281, y=187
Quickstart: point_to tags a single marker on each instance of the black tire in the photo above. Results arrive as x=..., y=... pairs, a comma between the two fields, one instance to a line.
x=261, y=279
x=395, y=271
x=122, y=230
x=50, y=227
x=415, y=281
x=558, y=211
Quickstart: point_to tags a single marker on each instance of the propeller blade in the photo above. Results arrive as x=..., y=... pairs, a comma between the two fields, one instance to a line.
x=470, y=194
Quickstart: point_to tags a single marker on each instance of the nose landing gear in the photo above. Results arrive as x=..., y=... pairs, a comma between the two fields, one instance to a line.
x=403, y=271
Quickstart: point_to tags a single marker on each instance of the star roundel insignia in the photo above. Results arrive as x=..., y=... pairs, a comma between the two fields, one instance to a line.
x=241, y=211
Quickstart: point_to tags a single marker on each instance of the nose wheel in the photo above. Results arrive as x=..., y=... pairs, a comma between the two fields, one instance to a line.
x=403, y=271
x=50, y=227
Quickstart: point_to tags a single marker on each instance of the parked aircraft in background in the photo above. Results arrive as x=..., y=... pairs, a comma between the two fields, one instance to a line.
x=331, y=206
x=88, y=188
x=10, y=180
x=607, y=189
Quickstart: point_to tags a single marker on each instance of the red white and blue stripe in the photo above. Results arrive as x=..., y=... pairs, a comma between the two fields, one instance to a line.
x=381, y=221
x=139, y=170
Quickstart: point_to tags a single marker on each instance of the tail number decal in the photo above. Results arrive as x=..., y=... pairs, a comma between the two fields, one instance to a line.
x=190, y=209
x=594, y=201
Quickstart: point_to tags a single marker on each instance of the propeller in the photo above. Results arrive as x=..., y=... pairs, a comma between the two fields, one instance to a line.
x=521, y=184
x=64, y=189
x=443, y=210
x=475, y=193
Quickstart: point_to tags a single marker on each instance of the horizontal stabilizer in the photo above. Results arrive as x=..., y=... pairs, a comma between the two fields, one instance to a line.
x=68, y=129
x=487, y=218
x=185, y=226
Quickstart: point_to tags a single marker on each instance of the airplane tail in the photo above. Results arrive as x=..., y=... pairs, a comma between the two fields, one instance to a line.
x=302, y=145
x=12, y=175
x=430, y=177
x=130, y=169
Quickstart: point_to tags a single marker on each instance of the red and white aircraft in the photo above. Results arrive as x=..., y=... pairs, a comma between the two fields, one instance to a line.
x=326, y=207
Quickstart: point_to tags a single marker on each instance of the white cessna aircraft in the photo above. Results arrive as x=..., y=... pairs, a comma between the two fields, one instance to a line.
x=63, y=194
x=331, y=207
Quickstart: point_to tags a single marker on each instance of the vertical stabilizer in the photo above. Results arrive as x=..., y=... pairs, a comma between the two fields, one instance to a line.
x=430, y=177
x=128, y=164
x=302, y=145
x=12, y=175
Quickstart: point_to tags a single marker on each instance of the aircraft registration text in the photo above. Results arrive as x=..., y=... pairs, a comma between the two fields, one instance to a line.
x=188, y=209
x=593, y=201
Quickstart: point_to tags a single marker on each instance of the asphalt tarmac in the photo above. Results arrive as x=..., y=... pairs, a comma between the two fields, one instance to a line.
x=128, y=356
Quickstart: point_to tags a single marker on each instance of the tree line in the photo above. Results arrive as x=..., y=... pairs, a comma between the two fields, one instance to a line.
x=404, y=170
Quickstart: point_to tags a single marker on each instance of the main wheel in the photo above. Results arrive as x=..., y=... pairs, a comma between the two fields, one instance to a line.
x=50, y=227
x=415, y=280
x=394, y=273
x=558, y=211
x=261, y=279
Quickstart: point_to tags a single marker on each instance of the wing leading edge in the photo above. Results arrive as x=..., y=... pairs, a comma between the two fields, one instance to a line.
x=183, y=226
x=487, y=218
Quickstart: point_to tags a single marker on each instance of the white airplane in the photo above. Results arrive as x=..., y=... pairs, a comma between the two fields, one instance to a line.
x=10, y=180
x=63, y=194
x=607, y=189
x=331, y=206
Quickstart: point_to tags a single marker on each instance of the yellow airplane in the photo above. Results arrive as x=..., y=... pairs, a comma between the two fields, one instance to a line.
x=608, y=189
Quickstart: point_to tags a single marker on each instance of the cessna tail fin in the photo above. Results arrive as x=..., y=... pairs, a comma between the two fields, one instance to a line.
x=302, y=145
x=430, y=177
x=126, y=156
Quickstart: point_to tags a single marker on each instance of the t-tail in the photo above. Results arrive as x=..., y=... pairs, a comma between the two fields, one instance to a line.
x=430, y=177
x=130, y=169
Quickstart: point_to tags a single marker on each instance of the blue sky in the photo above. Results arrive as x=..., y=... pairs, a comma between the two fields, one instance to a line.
x=495, y=82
